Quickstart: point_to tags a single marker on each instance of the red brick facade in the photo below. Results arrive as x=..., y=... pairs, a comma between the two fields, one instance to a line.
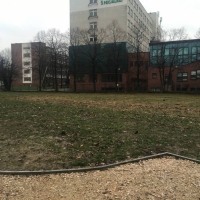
x=189, y=83
x=16, y=50
x=125, y=83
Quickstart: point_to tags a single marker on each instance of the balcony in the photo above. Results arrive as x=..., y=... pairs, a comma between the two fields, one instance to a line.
x=93, y=17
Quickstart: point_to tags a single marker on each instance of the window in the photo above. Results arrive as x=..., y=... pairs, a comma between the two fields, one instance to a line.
x=93, y=25
x=185, y=59
x=128, y=10
x=198, y=73
x=111, y=78
x=93, y=13
x=80, y=78
x=93, y=38
x=91, y=77
x=193, y=75
x=168, y=79
x=172, y=52
x=27, y=63
x=27, y=55
x=154, y=75
x=93, y=1
x=166, y=52
x=138, y=63
x=131, y=13
x=195, y=54
x=185, y=51
x=154, y=52
x=182, y=76
x=195, y=50
x=26, y=48
x=27, y=71
x=27, y=79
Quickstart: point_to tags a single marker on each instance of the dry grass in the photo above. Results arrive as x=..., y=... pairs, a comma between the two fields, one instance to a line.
x=54, y=131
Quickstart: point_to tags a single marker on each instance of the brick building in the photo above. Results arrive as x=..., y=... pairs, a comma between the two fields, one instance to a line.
x=110, y=75
x=35, y=64
x=177, y=64
x=25, y=60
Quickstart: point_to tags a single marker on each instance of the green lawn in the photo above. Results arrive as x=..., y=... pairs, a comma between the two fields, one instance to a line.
x=54, y=131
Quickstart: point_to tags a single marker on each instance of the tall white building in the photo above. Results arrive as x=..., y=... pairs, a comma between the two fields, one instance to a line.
x=87, y=14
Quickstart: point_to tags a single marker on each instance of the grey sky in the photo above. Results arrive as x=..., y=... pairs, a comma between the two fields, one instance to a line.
x=20, y=20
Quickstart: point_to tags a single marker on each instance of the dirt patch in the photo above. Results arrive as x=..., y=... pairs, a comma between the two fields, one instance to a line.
x=165, y=178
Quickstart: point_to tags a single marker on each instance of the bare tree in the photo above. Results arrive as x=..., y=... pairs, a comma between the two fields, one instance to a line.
x=8, y=68
x=50, y=57
x=115, y=53
x=198, y=34
x=57, y=45
x=92, y=50
x=39, y=62
x=74, y=37
x=167, y=59
x=139, y=45
x=177, y=34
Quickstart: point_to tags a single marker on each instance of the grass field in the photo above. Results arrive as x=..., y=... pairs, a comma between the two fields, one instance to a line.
x=55, y=131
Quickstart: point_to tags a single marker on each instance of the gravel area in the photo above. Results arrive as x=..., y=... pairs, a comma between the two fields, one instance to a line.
x=156, y=179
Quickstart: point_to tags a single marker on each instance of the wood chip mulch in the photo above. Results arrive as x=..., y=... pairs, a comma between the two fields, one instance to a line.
x=155, y=179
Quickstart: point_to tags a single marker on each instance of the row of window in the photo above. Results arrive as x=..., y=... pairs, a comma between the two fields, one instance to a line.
x=141, y=63
x=27, y=79
x=132, y=40
x=104, y=78
x=27, y=71
x=27, y=55
x=176, y=51
x=93, y=13
x=183, y=76
x=26, y=48
x=145, y=18
x=180, y=59
x=138, y=32
x=93, y=1
x=27, y=63
x=171, y=51
x=137, y=19
x=93, y=25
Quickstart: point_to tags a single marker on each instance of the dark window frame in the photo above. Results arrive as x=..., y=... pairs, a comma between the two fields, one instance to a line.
x=181, y=78
x=27, y=71
x=28, y=79
x=111, y=78
x=154, y=75
x=27, y=55
x=80, y=78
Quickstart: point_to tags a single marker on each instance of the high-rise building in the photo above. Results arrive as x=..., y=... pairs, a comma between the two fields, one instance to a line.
x=130, y=14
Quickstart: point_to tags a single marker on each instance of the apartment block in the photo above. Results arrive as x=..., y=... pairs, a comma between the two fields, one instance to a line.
x=130, y=14
x=24, y=59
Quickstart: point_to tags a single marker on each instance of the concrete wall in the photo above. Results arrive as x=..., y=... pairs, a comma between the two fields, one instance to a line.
x=83, y=5
x=105, y=17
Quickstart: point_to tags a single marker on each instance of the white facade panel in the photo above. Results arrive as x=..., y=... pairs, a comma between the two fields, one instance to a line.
x=26, y=63
x=82, y=5
x=130, y=14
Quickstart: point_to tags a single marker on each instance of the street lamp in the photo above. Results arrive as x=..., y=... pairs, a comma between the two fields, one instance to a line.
x=176, y=67
x=118, y=78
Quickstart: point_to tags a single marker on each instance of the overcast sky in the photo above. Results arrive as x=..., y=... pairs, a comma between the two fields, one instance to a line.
x=20, y=20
